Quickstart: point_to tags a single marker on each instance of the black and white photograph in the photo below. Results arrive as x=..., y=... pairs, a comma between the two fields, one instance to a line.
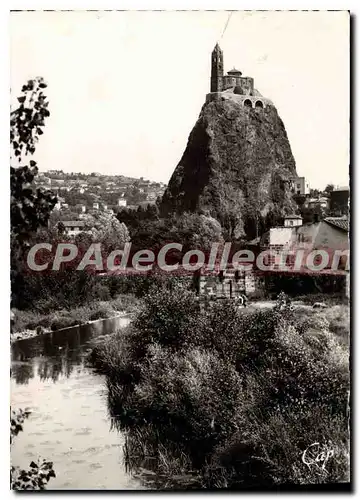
x=180, y=250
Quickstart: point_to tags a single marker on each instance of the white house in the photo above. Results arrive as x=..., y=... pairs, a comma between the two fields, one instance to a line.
x=300, y=185
x=292, y=221
x=322, y=202
x=73, y=227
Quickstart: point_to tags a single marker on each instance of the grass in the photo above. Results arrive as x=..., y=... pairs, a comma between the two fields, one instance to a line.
x=328, y=299
x=335, y=319
x=339, y=323
x=55, y=320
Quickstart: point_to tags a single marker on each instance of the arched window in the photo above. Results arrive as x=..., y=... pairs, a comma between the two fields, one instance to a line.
x=259, y=104
x=248, y=103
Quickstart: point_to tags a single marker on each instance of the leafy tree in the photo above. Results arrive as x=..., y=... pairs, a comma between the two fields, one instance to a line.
x=152, y=212
x=273, y=218
x=196, y=231
x=312, y=214
x=30, y=207
x=135, y=219
x=107, y=229
x=329, y=188
x=192, y=230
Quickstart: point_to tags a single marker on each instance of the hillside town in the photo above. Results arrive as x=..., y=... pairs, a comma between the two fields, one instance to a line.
x=78, y=193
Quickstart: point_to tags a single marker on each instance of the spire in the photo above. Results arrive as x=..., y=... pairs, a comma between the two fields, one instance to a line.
x=217, y=48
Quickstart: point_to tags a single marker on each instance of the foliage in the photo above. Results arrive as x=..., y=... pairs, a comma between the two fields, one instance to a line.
x=192, y=399
x=196, y=231
x=312, y=215
x=164, y=321
x=239, y=393
x=30, y=208
x=191, y=230
x=39, y=473
x=44, y=315
x=329, y=188
x=66, y=288
x=106, y=229
x=306, y=284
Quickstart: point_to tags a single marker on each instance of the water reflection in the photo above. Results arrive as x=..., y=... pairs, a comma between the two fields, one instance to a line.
x=22, y=372
x=69, y=421
x=54, y=355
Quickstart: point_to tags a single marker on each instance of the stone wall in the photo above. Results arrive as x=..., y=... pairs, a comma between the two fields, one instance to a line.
x=218, y=96
x=245, y=84
x=227, y=284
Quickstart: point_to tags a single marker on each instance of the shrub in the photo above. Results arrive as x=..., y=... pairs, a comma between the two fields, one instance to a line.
x=62, y=321
x=126, y=302
x=339, y=323
x=168, y=318
x=190, y=400
x=101, y=292
x=102, y=310
x=271, y=452
x=233, y=393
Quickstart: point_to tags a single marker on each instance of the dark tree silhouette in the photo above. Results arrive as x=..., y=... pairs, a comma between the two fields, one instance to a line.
x=30, y=207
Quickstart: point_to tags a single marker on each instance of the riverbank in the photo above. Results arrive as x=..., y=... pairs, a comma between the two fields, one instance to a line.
x=28, y=324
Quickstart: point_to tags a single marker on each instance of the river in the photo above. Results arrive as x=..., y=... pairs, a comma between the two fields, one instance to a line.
x=69, y=423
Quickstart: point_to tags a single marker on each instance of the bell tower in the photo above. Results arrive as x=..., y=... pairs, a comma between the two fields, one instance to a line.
x=217, y=69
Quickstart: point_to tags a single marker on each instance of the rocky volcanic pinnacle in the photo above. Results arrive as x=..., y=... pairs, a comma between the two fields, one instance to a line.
x=236, y=167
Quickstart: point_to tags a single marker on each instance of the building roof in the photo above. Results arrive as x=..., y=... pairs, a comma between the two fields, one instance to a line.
x=319, y=200
x=293, y=217
x=255, y=241
x=217, y=48
x=234, y=71
x=296, y=177
x=73, y=223
x=339, y=222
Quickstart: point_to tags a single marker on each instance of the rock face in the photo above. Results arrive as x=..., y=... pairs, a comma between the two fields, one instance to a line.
x=236, y=167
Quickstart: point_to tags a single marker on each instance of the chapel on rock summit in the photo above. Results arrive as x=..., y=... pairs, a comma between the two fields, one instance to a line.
x=233, y=85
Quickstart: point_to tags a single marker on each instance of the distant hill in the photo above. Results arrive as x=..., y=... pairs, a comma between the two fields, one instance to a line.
x=75, y=189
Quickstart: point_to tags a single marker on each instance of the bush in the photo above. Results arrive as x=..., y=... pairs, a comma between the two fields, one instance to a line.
x=168, y=317
x=233, y=394
x=101, y=292
x=63, y=321
x=126, y=303
x=271, y=452
x=189, y=398
x=102, y=310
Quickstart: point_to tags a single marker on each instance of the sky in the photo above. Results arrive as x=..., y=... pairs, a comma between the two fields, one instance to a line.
x=126, y=88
